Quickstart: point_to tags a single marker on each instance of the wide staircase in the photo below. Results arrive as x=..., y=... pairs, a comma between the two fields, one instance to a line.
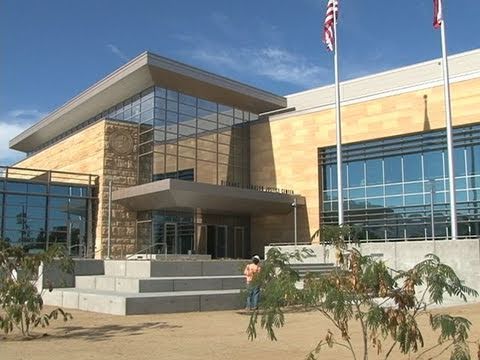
x=130, y=287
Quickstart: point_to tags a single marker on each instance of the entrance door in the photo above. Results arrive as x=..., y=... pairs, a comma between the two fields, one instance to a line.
x=211, y=240
x=75, y=245
x=239, y=242
x=221, y=246
x=170, y=237
x=217, y=240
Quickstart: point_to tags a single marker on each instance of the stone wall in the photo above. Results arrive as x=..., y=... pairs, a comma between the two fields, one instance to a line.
x=108, y=149
x=284, y=149
x=120, y=166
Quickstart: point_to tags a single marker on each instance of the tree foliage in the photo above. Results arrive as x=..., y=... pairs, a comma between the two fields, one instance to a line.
x=21, y=302
x=387, y=304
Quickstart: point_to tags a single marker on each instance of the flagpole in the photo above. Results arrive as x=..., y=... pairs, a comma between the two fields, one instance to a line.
x=448, y=116
x=338, y=121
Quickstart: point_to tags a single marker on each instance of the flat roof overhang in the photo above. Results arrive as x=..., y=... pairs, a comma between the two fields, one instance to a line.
x=137, y=75
x=181, y=194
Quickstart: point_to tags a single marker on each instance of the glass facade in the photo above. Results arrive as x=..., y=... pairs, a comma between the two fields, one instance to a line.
x=186, y=138
x=40, y=208
x=389, y=184
x=193, y=139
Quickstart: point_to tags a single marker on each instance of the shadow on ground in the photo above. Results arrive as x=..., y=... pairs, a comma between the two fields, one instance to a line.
x=105, y=332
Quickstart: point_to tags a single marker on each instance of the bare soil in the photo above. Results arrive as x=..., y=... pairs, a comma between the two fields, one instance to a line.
x=207, y=335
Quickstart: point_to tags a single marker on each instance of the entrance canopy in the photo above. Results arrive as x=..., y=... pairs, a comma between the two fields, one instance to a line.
x=174, y=194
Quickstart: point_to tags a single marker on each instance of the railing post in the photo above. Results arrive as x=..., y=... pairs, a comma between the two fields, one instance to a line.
x=109, y=219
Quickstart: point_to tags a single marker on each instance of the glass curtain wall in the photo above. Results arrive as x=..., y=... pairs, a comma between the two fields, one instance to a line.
x=37, y=213
x=389, y=184
x=193, y=139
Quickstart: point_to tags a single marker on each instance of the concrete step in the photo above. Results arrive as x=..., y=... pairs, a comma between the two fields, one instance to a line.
x=117, y=303
x=158, y=268
x=160, y=284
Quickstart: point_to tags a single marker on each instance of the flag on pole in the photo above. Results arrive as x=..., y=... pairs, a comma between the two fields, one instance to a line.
x=328, y=31
x=437, y=14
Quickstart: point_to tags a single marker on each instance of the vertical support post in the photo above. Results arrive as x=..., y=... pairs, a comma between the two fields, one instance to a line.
x=432, y=216
x=109, y=244
x=295, y=221
x=448, y=116
x=338, y=121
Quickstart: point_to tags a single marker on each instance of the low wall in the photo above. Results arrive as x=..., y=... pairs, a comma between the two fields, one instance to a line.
x=61, y=279
x=462, y=255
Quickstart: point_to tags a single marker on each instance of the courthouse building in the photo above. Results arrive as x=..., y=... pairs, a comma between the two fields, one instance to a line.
x=204, y=164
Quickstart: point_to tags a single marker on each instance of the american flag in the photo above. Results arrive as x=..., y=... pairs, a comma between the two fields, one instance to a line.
x=437, y=14
x=328, y=31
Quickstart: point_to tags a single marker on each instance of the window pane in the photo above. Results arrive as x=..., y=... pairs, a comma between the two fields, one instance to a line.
x=393, y=169
x=37, y=201
x=37, y=188
x=459, y=158
x=59, y=190
x=373, y=191
x=207, y=105
x=356, y=174
x=393, y=190
x=187, y=152
x=374, y=171
x=473, y=158
x=433, y=164
x=187, y=99
x=15, y=200
x=15, y=186
x=412, y=167
x=393, y=201
x=206, y=125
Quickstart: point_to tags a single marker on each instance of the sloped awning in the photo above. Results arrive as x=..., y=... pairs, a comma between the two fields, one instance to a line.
x=181, y=194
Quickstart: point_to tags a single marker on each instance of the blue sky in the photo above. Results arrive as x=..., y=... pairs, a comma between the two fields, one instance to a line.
x=53, y=49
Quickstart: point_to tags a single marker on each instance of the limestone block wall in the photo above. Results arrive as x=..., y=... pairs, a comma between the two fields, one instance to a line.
x=284, y=148
x=120, y=166
x=100, y=149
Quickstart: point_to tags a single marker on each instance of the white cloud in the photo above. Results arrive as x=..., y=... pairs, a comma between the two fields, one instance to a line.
x=12, y=124
x=271, y=62
x=114, y=49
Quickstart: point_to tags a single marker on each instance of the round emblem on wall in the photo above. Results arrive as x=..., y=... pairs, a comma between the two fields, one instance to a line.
x=121, y=142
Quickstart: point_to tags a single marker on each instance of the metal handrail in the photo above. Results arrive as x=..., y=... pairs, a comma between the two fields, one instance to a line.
x=164, y=244
x=365, y=241
x=82, y=246
x=289, y=243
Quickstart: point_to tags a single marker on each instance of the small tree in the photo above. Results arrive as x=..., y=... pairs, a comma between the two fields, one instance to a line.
x=385, y=306
x=339, y=237
x=20, y=300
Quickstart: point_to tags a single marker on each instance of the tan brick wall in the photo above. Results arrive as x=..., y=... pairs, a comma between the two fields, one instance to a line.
x=89, y=152
x=284, y=151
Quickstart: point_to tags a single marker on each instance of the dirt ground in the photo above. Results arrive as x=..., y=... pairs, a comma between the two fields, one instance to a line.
x=207, y=335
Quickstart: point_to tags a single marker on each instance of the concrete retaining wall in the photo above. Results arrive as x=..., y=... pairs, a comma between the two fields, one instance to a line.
x=61, y=279
x=462, y=255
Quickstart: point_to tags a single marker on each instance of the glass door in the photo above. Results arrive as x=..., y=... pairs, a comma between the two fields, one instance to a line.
x=221, y=241
x=238, y=240
x=170, y=238
x=75, y=243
